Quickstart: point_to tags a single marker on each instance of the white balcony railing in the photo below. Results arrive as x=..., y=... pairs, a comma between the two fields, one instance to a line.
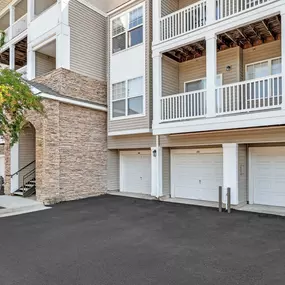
x=227, y=8
x=19, y=26
x=194, y=16
x=183, y=21
x=251, y=95
x=183, y=106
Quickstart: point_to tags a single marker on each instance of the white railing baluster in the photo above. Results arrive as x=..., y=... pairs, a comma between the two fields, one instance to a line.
x=183, y=21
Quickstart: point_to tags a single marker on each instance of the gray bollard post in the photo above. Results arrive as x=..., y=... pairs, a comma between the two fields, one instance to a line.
x=229, y=200
x=220, y=199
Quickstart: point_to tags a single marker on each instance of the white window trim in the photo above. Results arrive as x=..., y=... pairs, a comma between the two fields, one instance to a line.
x=199, y=79
x=269, y=61
x=127, y=14
x=126, y=99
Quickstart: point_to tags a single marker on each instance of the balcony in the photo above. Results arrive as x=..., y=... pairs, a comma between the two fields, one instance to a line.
x=242, y=97
x=199, y=14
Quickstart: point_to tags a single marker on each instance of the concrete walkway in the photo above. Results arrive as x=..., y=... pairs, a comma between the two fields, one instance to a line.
x=12, y=205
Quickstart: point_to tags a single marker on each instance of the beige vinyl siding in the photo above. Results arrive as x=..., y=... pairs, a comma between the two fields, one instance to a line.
x=242, y=173
x=166, y=172
x=88, y=43
x=170, y=77
x=196, y=68
x=141, y=141
x=4, y=3
x=113, y=183
x=141, y=122
x=44, y=64
x=41, y=6
x=184, y=3
x=20, y=9
x=27, y=151
x=261, y=52
x=169, y=6
x=261, y=135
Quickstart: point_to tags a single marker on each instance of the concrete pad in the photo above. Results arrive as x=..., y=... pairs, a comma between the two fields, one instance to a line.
x=192, y=202
x=132, y=195
x=12, y=205
x=263, y=209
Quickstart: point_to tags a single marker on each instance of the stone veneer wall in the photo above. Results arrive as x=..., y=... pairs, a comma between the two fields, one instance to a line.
x=71, y=146
x=75, y=85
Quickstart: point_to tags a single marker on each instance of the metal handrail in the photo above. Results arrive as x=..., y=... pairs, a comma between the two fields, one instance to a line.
x=26, y=176
x=20, y=170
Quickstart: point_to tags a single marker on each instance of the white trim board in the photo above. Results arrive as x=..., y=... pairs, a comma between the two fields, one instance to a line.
x=130, y=132
x=93, y=106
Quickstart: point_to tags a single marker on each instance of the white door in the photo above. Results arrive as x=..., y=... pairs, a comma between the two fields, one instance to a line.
x=196, y=174
x=135, y=172
x=2, y=166
x=267, y=176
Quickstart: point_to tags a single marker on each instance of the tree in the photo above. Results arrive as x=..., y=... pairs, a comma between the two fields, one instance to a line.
x=16, y=98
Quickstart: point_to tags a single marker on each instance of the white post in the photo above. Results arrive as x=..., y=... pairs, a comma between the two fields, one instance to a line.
x=12, y=20
x=31, y=64
x=211, y=65
x=156, y=15
x=283, y=55
x=230, y=171
x=31, y=11
x=14, y=167
x=63, y=47
x=157, y=88
x=12, y=57
x=156, y=170
x=211, y=12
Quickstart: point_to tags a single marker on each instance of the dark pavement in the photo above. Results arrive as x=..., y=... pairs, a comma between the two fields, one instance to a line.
x=125, y=241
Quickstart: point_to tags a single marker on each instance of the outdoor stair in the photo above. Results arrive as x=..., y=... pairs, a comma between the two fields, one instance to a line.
x=27, y=190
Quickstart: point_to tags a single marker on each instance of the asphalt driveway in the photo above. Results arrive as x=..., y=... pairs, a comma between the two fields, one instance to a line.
x=115, y=240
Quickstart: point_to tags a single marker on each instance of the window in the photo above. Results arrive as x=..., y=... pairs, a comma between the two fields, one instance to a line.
x=200, y=84
x=127, y=98
x=127, y=30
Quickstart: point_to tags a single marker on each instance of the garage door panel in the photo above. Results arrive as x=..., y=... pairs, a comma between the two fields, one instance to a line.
x=196, y=175
x=268, y=176
x=136, y=172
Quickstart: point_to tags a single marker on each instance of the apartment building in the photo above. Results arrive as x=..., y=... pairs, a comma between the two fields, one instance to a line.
x=212, y=111
x=194, y=97
x=60, y=47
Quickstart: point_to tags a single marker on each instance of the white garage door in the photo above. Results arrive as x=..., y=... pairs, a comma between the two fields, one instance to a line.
x=267, y=176
x=2, y=165
x=135, y=172
x=196, y=174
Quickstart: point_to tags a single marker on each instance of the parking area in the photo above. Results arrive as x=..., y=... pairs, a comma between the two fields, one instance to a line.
x=119, y=240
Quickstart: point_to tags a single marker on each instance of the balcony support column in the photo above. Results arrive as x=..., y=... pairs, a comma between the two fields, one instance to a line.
x=156, y=21
x=12, y=20
x=283, y=55
x=157, y=88
x=31, y=64
x=12, y=57
x=230, y=171
x=211, y=65
x=63, y=47
x=31, y=11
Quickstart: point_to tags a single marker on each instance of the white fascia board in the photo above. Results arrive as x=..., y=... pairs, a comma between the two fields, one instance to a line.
x=89, y=5
x=75, y=102
x=220, y=26
x=129, y=132
x=258, y=119
x=121, y=7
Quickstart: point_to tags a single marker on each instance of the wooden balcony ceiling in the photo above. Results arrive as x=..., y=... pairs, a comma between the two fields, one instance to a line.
x=20, y=54
x=248, y=36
